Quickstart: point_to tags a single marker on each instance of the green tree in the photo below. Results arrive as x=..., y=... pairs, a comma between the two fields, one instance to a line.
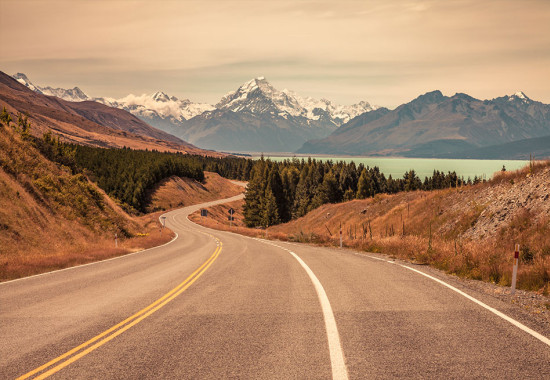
x=5, y=117
x=412, y=182
x=253, y=200
x=364, y=185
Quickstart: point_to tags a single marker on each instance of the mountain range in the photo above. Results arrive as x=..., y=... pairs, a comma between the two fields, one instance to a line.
x=84, y=122
x=258, y=117
x=434, y=125
x=255, y=117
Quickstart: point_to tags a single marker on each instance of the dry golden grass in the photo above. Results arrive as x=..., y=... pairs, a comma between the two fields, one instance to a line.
x=177, y=192
x=430, y=228
x=51, y=219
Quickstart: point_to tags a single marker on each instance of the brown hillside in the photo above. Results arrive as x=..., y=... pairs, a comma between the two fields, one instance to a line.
x=177, y=192
x=52, y=219
x=88, y=123
x=470, y=231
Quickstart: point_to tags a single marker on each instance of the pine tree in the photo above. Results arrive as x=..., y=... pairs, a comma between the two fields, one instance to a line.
x=270, y=213
x=303, y=194
x=255, y=192
x=363, y=185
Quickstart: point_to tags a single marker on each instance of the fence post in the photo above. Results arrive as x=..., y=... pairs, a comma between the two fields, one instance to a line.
x=515, y=270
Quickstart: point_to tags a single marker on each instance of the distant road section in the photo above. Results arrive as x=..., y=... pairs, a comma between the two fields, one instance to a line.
x=215, y=305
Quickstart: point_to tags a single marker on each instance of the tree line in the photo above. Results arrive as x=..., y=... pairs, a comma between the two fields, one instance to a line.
x=129, y=175
x=280, y=191
x=277, y=191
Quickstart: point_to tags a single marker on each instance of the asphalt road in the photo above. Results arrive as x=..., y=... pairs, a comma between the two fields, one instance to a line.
x=216, y=305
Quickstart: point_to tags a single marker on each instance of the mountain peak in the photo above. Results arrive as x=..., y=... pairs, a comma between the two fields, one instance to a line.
x=431, y=97
x=160, y=96
x=521, y=96
x=20, y=76
x=24, y=80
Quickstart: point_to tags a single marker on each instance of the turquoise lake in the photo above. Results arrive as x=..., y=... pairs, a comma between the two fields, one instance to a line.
x=423, y=167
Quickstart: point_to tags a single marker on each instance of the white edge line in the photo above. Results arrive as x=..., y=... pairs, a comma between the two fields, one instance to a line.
x=237, y=197
x=337, y=361
x=519, y=325
x=92, y=263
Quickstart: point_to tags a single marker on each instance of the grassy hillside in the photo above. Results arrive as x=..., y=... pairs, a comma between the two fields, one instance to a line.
x=174, y=192
x=51, y=218
x=469, y=231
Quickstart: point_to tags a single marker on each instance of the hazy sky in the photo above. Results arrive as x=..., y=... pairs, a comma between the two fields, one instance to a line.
x=383, y=51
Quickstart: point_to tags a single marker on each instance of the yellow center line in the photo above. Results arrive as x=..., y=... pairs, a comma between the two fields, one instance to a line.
x=127, y=323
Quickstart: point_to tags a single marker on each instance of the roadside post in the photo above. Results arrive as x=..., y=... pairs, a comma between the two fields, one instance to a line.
x=515, y=270
x=340, y=235
x=231, y=218
x=163, y=222
x=116, y=240
x=203, y=213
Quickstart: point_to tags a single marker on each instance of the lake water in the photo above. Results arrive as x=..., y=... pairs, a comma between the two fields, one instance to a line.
x=423, y=167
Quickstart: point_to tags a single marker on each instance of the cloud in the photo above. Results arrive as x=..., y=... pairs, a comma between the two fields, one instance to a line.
x=380, y=51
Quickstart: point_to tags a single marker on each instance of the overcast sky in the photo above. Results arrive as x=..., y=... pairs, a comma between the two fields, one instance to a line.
x=383, y=51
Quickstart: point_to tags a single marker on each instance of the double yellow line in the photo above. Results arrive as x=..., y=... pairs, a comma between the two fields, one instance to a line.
x=99, y=340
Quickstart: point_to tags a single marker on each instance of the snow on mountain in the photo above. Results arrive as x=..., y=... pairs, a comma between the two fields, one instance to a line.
x=520, y=95
x=258, y=96
x=71, y=95
x=158, y=104
x=22, y=78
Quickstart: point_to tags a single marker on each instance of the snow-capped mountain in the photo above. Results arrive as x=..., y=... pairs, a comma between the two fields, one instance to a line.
x=258, y=117
x=71, y=95
x=258, y=96
x=434, y=125
x=158, y=106
x=255, y=117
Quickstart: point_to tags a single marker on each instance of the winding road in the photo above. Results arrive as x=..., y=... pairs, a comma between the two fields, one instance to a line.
x=214, y=305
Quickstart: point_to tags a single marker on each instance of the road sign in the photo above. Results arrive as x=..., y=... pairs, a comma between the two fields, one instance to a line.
x=204, y=212
x=230, y=218
x=231, y=211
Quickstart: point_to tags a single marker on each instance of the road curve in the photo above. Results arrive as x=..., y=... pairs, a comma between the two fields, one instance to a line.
x=213, y=304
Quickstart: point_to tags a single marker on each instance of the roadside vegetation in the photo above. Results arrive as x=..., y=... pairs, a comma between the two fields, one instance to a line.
x=468, y=231
x=280, y=192
x=53, y=215
x=128, y=175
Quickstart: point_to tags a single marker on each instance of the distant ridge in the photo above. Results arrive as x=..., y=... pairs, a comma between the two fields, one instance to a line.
x=254, y=117
x=85, y=122
x=434, y=125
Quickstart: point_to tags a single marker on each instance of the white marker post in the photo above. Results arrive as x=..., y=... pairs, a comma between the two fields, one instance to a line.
x=163, y=221
x=515, y=270
x=340, y=235
x=116, y=241
x=231, y=218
